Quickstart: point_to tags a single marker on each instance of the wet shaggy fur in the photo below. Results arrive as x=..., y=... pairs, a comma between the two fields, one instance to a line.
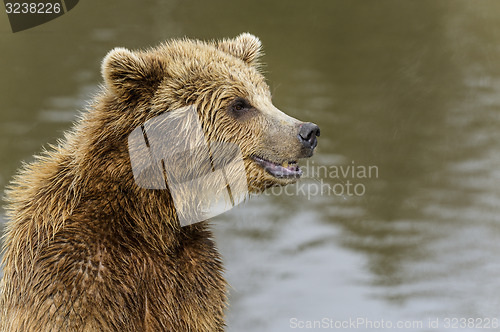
x=86, y=249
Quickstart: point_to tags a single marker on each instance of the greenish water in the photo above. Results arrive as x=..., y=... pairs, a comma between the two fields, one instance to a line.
x=409, y=87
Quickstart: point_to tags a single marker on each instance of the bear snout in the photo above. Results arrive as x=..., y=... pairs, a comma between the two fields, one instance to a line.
x=307, y=136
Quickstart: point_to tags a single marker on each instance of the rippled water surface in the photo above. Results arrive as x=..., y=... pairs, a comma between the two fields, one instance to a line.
x=410, y=88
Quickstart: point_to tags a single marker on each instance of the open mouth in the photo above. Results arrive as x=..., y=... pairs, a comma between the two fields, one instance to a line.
x=287, y=169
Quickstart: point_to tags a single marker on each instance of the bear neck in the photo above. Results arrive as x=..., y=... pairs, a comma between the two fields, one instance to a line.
x=94, y=167
x=135, y=216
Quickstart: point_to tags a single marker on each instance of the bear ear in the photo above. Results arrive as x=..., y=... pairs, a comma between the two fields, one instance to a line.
x=130, y=72
x=246, y=46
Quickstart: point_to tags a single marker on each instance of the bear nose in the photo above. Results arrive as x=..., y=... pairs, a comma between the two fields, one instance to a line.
x=307, y=135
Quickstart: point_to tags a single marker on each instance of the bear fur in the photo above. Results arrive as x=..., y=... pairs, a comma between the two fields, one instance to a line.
x=86, y=249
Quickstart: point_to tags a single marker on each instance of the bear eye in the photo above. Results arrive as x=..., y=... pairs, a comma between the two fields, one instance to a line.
x=240, y=104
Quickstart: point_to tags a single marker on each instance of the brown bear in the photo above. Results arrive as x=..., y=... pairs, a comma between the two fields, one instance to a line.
x=87, y=249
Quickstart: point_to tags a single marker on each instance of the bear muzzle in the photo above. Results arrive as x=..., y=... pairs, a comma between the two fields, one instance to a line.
x=307, y=137
x=308, y=133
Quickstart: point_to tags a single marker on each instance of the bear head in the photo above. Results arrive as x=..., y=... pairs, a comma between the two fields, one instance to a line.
x=221, y=79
